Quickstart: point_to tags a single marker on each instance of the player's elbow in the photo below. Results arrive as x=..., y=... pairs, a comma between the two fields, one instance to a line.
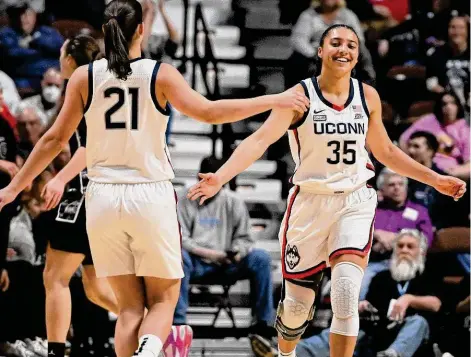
x=54, y=139
x=436, y=304
x=385, y=154
x=209, y=113
x=261, y=143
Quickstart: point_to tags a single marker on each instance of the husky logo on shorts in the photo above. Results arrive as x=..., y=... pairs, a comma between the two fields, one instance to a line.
x=292, y=256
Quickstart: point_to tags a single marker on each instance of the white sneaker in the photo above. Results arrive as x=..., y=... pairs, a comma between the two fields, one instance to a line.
x=19, y=349
x=37, y=346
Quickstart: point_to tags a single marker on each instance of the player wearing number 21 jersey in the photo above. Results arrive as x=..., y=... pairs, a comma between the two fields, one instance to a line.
x=131, y=215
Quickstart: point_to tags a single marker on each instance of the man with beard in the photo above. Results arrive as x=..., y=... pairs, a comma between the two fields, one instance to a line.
x=394, y=212
x=404, y=297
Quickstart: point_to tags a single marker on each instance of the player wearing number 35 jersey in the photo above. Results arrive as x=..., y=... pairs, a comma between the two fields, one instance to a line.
x=131, y=207
x=330, y=213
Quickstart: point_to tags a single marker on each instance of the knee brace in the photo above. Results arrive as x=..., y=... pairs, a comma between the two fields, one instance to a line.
x=292, y=318
x=295, y=310
x=345, y=289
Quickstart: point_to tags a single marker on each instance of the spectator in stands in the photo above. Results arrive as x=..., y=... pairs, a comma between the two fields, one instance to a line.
x=217, y=242
x=401, y=45
x=29, y=49
x=394, y=213
x=6, y=114
x=25, y=339
x=448, y=65
x=412, y=294
x=30, y=127
x=444, y=212
x=11, y=96
x=452, y=132
x=306, y=35
x=394, y=11
x=422, y=147
x=8, y=169
x=455, y=337
x=160, y=48
x=46, y=101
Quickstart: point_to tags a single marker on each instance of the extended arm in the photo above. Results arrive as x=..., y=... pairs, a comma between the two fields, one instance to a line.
x=246, y=153
x=172, y=87
x=56, y=138
x=393, y=157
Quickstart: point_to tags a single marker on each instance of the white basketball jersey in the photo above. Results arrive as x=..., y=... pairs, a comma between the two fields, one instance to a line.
x=126, y=126
x=328, y=144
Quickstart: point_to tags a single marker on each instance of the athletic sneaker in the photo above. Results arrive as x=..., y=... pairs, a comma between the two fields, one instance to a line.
x=37, y=346
x=178, y=342
x=262, y=347
x=18, y=349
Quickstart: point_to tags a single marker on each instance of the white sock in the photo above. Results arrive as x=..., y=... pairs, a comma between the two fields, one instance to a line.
x=149, y=346
x=284, y=354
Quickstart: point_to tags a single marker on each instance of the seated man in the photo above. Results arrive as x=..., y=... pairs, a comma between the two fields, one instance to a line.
x=216, y=241
x=29, y=49
x=395, y=212
x=401, y=299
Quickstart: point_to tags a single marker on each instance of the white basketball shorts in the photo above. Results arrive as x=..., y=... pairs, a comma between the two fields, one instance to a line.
x=133, y=229
x=317, y=228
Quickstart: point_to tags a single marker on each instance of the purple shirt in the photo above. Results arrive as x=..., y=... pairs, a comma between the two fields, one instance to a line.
x=411, y=215
x=457, y=131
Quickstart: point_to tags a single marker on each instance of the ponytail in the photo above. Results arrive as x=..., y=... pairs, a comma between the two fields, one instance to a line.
x=116, y=50
x=83, y=49
x=122, y=17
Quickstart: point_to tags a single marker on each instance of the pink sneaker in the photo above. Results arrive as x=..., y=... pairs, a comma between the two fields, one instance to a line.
x=178, y=342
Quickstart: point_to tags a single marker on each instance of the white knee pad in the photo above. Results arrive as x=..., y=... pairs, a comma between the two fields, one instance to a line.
x=346, y=282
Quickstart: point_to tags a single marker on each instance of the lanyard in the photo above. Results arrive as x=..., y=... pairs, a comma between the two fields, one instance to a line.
x=402, y=288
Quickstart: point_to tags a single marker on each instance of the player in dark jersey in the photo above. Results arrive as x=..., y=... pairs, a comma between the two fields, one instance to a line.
x=68, y=246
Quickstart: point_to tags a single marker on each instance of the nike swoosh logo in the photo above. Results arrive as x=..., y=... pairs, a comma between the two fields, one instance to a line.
x=319, y=111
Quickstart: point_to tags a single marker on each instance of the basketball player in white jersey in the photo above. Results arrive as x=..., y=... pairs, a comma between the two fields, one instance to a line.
x=131, y=207
x=330, y=214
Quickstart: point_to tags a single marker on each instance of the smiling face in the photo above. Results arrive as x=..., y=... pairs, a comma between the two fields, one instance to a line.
x=339, y=50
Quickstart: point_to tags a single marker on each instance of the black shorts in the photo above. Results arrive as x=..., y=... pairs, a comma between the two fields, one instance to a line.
x=71, y=237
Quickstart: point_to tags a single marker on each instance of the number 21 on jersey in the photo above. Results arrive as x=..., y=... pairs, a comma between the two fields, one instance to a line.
x=119, y=93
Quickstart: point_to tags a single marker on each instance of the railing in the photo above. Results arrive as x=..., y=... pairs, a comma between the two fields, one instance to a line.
x=205, y=61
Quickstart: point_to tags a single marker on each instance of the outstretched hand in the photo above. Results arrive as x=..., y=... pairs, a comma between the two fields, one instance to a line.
x=208, y=186
x=451, y=186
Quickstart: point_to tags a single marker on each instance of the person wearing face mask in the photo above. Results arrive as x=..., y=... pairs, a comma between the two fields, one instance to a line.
x=46, y=101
